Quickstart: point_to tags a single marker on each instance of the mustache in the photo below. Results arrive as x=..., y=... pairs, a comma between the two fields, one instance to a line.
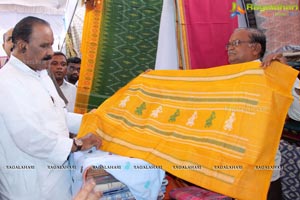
x=48, y=57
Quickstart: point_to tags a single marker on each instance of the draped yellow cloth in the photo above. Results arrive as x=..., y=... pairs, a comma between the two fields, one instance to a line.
x=218, y=128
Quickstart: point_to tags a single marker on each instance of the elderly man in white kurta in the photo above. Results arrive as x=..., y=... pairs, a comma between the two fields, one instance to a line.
x=34, y=142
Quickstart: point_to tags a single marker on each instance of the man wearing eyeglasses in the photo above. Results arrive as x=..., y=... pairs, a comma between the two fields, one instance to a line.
x=246, y=45
x=73, y=70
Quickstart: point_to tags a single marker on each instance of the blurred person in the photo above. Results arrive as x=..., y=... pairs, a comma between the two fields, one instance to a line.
x=7, y=41
x=73, y=70
x=7, y=46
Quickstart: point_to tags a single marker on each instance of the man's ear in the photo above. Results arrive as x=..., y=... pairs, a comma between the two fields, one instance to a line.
x=21, y=46
x=256, y=49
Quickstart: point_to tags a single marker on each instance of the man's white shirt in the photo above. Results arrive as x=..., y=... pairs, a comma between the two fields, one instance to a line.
x=69, y=90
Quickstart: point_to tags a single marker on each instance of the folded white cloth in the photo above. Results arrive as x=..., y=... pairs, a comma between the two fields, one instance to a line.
x=143, y=179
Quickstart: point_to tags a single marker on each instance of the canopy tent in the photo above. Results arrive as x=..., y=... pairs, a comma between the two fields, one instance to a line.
x=58, y=13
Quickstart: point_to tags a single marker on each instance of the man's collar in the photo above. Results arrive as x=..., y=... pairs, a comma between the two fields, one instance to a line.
x=23, y=67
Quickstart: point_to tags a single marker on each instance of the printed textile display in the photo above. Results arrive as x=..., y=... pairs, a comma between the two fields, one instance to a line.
x=119, y=42
x=218, y=128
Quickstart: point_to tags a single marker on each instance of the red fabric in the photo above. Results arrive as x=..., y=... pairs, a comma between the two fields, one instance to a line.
x=173, y=183
x=209, y=27
x=195, y=193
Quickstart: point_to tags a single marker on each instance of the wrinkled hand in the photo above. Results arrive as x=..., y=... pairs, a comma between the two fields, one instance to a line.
x=91, y=140
x=272, y=57
x=87, y=192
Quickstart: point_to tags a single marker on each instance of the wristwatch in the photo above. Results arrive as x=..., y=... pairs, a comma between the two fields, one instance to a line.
x=78, y=144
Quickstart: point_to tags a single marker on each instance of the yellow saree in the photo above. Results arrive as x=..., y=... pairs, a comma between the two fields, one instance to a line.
x=218, y=128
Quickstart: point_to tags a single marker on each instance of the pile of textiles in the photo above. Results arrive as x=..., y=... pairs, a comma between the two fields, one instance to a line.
x=118, y=177
x=291, y=130
x=108, y=185
x=178, y=189
x=195, y=193
x=290, y=52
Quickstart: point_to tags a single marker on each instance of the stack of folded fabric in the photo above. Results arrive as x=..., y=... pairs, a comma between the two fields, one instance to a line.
x=195, y=193
x=118, y=177
x=110, y=187
x=291, y=130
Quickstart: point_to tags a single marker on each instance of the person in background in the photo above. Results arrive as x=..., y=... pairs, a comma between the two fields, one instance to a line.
x=7, y=42
x=294, y=110
x=7, y=46
x=246, y=45
x=73, y=70
x=35, y=143
x=58, y=67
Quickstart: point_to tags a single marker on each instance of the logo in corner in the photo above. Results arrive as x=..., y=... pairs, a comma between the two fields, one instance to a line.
x=236, y=10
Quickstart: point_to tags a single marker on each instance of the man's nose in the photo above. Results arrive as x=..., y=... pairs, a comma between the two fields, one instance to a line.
x=50, y=51
x=229, y=47
x=61, y=66
x=75, y=71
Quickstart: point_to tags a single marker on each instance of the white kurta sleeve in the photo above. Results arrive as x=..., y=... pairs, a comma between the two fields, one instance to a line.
x=73, y=122
x=35, y=127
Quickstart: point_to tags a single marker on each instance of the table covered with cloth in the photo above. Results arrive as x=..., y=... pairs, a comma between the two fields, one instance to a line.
x=218, y=128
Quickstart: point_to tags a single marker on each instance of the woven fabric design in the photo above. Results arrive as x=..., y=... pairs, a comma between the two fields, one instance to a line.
x=210, y=127
x=290, y=174
x=119, y=40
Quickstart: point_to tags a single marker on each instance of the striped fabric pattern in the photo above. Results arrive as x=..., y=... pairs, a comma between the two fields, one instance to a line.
x=210, y=127
x=204, y=28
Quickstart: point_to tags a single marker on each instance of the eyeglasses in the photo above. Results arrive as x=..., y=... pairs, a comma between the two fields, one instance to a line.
x=235, y=43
